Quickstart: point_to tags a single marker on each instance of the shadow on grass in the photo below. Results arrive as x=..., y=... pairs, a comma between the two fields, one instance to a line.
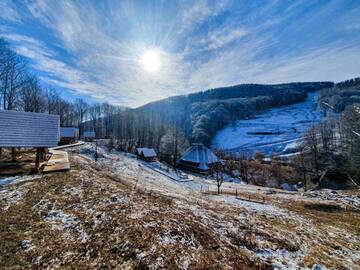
x=329, y=208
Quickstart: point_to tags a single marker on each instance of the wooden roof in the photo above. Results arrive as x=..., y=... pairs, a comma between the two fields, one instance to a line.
x=199, y=156
x=146, y=152
x=27, y=129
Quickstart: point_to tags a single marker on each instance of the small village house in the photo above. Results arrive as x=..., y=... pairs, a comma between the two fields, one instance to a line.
x=89, y=136
x=198, y=158
x=147, y=154
x=68, y=135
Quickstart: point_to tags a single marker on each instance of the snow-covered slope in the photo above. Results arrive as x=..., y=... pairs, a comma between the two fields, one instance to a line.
x=287, y=124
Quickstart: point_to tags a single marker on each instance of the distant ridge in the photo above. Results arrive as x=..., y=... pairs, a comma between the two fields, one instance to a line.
x=200, y=115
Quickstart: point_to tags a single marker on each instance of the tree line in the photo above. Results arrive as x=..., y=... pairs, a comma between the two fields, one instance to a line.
x=342, y=95
x=21, y=90
x=129, y=128
x=201, y=115
x=333, y=146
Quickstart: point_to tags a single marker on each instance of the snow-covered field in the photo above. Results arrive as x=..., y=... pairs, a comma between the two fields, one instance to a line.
x=287, y=123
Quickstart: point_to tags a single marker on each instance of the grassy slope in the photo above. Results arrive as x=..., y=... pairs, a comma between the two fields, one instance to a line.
x=93, y=217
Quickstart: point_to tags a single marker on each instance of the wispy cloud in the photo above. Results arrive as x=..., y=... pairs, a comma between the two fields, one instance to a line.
x=94, y=48
x=196, y=12
x=218, y=38
x=8, y=11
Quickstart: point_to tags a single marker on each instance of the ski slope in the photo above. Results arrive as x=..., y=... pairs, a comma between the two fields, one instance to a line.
x=287, y=124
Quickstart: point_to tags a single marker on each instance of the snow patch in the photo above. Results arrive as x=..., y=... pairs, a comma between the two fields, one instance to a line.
x=11, y=197
x=266, y=209
x=26, y=245
x=58, y=220
x=281, y=258
x=291, y=121
x=17, y=179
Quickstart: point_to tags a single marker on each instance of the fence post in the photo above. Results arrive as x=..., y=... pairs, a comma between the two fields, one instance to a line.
x=236, y=194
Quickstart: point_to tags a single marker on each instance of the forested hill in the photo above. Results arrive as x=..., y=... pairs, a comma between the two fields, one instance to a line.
x=201, y=115
x=342, y=95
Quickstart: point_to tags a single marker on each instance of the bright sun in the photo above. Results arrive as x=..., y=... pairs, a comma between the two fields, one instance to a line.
x=150, y=61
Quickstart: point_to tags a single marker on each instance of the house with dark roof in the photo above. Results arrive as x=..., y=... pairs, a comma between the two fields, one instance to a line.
x=198, y=158
x=147, y=154
x=68, y=135
x=89, y=135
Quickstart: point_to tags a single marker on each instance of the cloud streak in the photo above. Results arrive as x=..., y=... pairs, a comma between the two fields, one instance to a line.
x=93, y=48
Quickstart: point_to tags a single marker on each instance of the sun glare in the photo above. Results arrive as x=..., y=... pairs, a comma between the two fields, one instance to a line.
x=150, y=61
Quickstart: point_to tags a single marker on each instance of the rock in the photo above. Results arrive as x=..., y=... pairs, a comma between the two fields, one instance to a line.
x=316, y=267
x=25, y=244
x=286, y=186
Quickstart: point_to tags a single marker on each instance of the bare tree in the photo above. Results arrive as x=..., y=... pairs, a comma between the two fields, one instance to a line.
x=312, y=145
x=351, y=127
x=52, y=100
x=32, y=97
x=172, y=144
x=81, y=108
x=217, y=170
x=244, y=167
x=12, y=77
x=301, y=167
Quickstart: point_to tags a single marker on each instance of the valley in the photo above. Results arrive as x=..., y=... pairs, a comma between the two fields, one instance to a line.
x=274, y=131
x=191, y=135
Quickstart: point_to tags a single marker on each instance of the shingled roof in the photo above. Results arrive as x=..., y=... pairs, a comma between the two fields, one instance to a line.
x=198, y=157
x=27, y=129
x=146, y=152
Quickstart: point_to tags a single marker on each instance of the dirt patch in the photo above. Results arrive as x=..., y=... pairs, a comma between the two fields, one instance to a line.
x=331, y=208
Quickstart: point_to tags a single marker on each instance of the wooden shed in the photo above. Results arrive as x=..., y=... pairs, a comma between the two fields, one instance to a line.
x=89, y=136
x=29, y=130
x=68, y=135
x=147, y=154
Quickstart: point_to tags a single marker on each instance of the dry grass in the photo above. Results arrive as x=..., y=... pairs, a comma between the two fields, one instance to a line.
x=124, y=238
x=111, y=225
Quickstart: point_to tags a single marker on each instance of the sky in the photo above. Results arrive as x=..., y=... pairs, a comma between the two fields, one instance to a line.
x=133, y=52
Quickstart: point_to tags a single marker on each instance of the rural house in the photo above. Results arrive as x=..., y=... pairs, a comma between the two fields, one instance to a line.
x=198, y=158
x=68, y=135
x=89, y=136
x=147, y=154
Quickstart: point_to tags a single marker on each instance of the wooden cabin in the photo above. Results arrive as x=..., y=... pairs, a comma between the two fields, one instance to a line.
x=89, y=136
x=147, y=154
x=198, y=158
x=29, y=130
x=68, y=135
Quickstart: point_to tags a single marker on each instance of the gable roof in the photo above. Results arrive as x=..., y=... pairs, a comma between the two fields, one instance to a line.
x=146, y=152
x=200, y=156
x=28, y=129
x=69, y=132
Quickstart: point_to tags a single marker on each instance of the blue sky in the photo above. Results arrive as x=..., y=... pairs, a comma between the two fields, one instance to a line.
x=93, y=49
